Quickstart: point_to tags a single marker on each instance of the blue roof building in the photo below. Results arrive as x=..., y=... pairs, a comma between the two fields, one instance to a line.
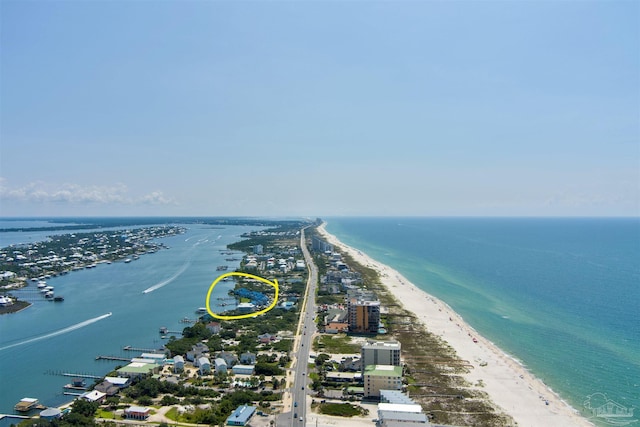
x=241, y=415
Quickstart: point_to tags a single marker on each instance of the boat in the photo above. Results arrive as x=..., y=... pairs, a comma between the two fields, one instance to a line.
x=49, y=294
x=42, y=284
x=127, y=260
x=59, y=298
x=222, y=267
x=201, y=310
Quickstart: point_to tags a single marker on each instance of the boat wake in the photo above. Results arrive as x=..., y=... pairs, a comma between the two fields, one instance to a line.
x=169, y=280
x=59, y=332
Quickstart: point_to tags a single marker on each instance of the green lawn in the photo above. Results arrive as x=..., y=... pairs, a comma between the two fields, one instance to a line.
x=105, y=414
x=336, y=344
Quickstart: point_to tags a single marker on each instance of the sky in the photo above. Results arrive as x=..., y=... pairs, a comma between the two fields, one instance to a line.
x=319, y=108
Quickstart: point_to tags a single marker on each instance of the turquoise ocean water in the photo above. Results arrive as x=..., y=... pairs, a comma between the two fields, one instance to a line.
x=560, y=295
x=49, y=338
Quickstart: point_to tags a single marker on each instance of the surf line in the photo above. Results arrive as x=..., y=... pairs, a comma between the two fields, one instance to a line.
x=169, y=280
x=60, y=332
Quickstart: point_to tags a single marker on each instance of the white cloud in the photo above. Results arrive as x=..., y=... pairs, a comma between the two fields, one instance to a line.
x=42, y=192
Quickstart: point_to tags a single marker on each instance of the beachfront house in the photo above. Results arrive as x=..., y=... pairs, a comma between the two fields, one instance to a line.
x=394, y=414
x=395, y=396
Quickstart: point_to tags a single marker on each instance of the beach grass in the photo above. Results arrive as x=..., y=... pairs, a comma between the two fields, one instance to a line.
x=433, y=369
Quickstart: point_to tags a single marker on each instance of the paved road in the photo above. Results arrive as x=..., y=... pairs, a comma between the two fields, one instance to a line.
x=306, y=328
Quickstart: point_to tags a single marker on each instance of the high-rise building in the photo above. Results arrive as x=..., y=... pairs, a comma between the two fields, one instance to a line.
x=363, y=315
x=319, y=245
x=380, y=353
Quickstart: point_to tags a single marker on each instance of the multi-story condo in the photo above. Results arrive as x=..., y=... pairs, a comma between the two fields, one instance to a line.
x=363, y=315
x=380, y=353
x=381, y=377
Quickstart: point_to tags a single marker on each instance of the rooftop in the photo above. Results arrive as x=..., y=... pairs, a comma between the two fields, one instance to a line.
x=382, y=344
x=383, y=370
x=241, y=414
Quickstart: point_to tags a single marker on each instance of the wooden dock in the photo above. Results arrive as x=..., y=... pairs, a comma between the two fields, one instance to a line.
x=121, y=359
x=68, y=374
x=94, y=377
x=143, y=350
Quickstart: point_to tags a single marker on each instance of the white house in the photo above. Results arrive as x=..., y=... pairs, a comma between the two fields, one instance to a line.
x=94, y=396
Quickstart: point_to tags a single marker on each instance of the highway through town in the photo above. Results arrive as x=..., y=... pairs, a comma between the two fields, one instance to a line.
x=306, y=328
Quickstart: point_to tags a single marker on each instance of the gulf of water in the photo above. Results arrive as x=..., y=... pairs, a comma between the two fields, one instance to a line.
x=104, y=310
x=560, y=295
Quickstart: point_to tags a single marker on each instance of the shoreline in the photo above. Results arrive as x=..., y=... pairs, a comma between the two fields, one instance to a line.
x=508, y=383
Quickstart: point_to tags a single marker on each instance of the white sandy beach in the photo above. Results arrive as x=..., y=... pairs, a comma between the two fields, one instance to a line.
x=508, y=383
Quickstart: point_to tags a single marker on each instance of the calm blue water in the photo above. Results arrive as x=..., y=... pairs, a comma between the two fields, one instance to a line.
x=53, y=337
x=560, y=295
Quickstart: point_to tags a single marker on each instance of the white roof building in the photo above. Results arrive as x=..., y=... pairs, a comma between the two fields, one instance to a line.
x=94, y=396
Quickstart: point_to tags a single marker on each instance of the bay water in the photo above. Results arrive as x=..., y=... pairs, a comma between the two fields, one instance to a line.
x=560, y=295
x=106, y=309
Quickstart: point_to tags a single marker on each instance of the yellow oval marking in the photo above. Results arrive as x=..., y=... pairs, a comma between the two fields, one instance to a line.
x=242, y=316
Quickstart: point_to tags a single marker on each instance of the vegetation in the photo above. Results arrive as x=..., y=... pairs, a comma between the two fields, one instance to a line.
x=268, y=369
x=342, y=409
x=218, y=413
x=191, y=335
x=336, y=344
